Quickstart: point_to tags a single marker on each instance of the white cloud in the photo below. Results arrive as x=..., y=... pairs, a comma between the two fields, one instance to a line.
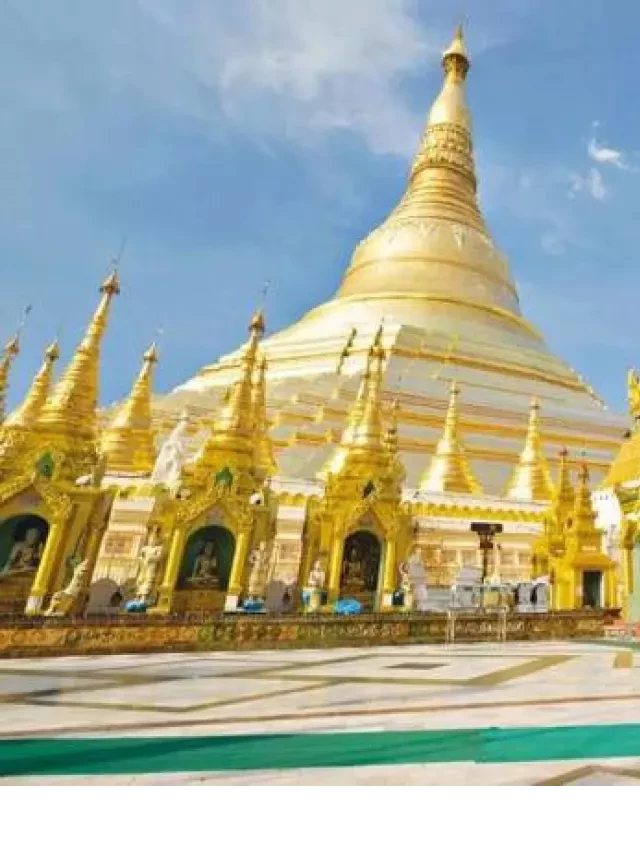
x=306, y=69
x=610, y=156
x=591, y=183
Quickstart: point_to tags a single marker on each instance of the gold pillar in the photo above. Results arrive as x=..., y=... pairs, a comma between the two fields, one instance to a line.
x=335, y=565
x=171, y=571
x=389, y=577
x=48, y=565
x=236, y=576
x=610, y=584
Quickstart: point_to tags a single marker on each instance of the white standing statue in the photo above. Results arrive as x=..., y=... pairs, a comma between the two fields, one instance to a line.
x=150, y=561
x=168, y=467
x=418, y=577
x=259, y=562
x=406, y=586
x=315, y=585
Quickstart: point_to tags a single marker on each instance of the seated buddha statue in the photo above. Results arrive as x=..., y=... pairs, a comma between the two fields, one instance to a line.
x=27, y=553
x=352, y=573
x=206, y=565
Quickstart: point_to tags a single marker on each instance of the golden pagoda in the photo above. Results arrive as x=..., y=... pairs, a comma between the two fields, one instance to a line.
x=359, y=516
x=128, y=442
x=449, y=471
x=434, y=274
x=27, y=413
x=329, y=482
x=531, y=480
x=223, y=511
x=53, y=507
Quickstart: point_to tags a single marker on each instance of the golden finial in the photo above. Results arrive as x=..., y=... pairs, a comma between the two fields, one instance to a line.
x=449, y=469
x=71, y=409
x=449, y=119
x=11, y=350
x=257, y=324
x=128, y=442
x=26, y=415
x=264, y=458
x=456, y=54
x=531, y=480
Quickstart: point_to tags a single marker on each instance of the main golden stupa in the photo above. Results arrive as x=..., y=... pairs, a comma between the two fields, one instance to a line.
x=432, y=274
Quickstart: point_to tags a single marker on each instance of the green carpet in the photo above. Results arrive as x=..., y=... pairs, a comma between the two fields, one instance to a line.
x=135, y=755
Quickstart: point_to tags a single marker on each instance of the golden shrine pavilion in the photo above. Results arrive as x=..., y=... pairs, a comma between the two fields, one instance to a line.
x=414, y=402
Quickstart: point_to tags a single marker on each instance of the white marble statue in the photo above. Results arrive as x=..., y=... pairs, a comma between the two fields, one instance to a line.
x=259, y=562
x=171, y=457
x=150, y=560
x=315, y=585
x=316, y=575
x=418, y=576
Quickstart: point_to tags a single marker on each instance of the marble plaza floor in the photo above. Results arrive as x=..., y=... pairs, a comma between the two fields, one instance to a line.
x=510, y=714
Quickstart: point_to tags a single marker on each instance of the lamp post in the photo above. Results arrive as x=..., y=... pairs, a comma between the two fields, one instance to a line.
x=486, y=534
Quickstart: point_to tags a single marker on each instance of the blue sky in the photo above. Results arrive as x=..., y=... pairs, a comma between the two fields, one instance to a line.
x=234, y=142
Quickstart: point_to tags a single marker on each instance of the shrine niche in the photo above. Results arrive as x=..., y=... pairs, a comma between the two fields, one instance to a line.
x=361, y=558
x=207, y=559
x=22, y=541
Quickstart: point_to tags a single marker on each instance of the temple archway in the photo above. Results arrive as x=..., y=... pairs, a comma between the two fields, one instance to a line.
x=361, y=558
x=22, y=541
x=207, y=559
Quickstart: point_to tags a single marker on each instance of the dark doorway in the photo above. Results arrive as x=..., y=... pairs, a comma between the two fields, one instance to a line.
x=592, y=589
x=360, y=563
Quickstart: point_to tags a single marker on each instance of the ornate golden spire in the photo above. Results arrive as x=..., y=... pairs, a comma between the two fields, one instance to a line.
x=367, y=429
x=391, y=435
x=26, y=415
x=128, y=442
x=531, y=480
x=583, y=519
x=11, y=350
x=450, y=110
x=436, y=242
x=71, y=409
x=449, y=469
x=563, y=492
x=363, y=434
x=264, y=458
x=232, y=437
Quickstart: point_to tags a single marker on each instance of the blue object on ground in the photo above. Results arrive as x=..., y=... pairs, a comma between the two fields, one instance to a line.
x=347, y=607
x=135, y=607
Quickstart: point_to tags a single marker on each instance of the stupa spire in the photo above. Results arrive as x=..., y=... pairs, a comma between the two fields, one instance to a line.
x=128, y=442
x=26, y=414
x=264, y=458
x=11, y=350
x=391, y=435
x=449, y=469
x=71, y=407
x=364, y=435
x=583, y=512
x=531, y=480
x=563, y=496
x=367, y=430
x=232, y=438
